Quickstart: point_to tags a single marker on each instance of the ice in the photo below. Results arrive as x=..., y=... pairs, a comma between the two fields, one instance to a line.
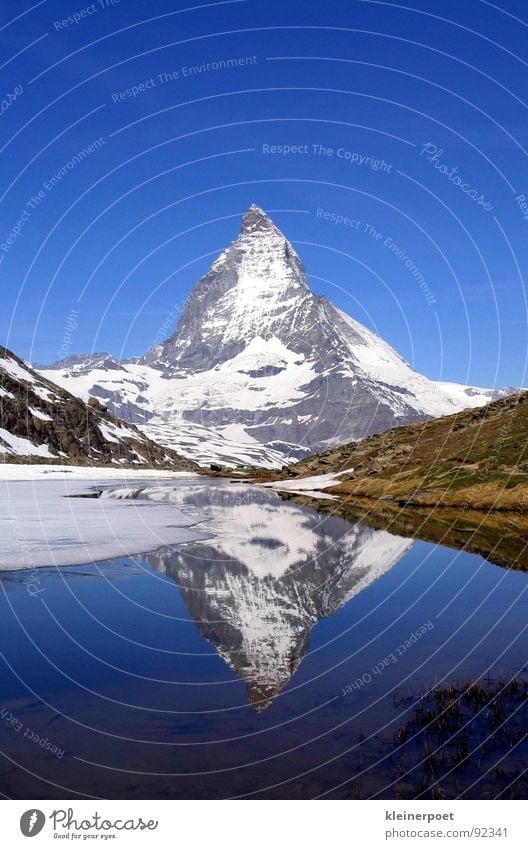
x=40, y=526
x=93, y=474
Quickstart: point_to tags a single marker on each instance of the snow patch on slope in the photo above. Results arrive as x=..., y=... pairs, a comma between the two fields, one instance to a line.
x=21, y=447
x=15, y=370
x=40, y=415
x=209, y=445
x=313, y=484
x=383, y=365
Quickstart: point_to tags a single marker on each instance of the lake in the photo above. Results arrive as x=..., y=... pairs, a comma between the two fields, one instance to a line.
x=288, y=653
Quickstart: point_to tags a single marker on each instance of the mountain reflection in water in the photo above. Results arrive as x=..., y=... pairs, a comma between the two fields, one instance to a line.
x=139, y=675
x=268, y=573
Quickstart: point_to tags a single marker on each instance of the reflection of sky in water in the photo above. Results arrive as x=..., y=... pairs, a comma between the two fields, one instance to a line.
x=171, y=648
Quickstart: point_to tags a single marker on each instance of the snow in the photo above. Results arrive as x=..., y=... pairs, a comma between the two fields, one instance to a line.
x=210, y=445
x=22, y=447
x=107, y=433
x=116, y=433
x=228, y=385
x=311, y=485
x=268, y=289
x=15, y=370
x=39, y=414
x=465, y=397
x=237, y=433
x=93, y=474
x=79, y=380
x=315, y=493
x=5, y=394
x=381, y=363
x=20, y=373
x=267, y=309
x=44, y=393
x=40, y=526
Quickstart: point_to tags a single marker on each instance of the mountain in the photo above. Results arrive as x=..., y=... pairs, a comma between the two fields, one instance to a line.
x=39, y=420
x=269, y=573
x=97, y=359
x=474, y=460
x=260, y=370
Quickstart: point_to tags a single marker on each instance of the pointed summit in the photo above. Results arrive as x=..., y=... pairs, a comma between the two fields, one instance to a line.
x=253, y=293
x=262, y=359
x=255, y=220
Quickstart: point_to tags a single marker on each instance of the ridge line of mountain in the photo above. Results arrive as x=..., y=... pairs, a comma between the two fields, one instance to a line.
x=260, y=370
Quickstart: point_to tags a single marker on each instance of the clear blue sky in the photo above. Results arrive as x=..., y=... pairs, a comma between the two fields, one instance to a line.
x=126, y=229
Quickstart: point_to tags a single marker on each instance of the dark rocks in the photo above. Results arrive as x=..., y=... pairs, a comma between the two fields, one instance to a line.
x=34, y=409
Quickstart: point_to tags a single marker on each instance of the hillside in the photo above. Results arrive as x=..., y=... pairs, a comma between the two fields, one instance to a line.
x=475, y=459
x=41, y=422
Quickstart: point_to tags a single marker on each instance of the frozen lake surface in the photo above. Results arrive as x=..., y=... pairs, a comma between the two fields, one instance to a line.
x=44, y=522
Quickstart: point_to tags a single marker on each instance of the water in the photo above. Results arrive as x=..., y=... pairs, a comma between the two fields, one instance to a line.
x=279, y=658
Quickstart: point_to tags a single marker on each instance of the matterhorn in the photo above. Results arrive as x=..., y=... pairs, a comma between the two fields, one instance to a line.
x=260, y=370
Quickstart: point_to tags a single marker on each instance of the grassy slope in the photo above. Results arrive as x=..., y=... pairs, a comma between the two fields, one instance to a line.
x=477, y=459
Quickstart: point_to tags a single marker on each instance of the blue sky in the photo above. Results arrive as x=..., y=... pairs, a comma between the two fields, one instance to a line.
x=144, y=131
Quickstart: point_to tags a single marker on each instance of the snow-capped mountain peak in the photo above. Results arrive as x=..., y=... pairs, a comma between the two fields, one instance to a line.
x=255, y=220
x=253, y=289
x=260, y=361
